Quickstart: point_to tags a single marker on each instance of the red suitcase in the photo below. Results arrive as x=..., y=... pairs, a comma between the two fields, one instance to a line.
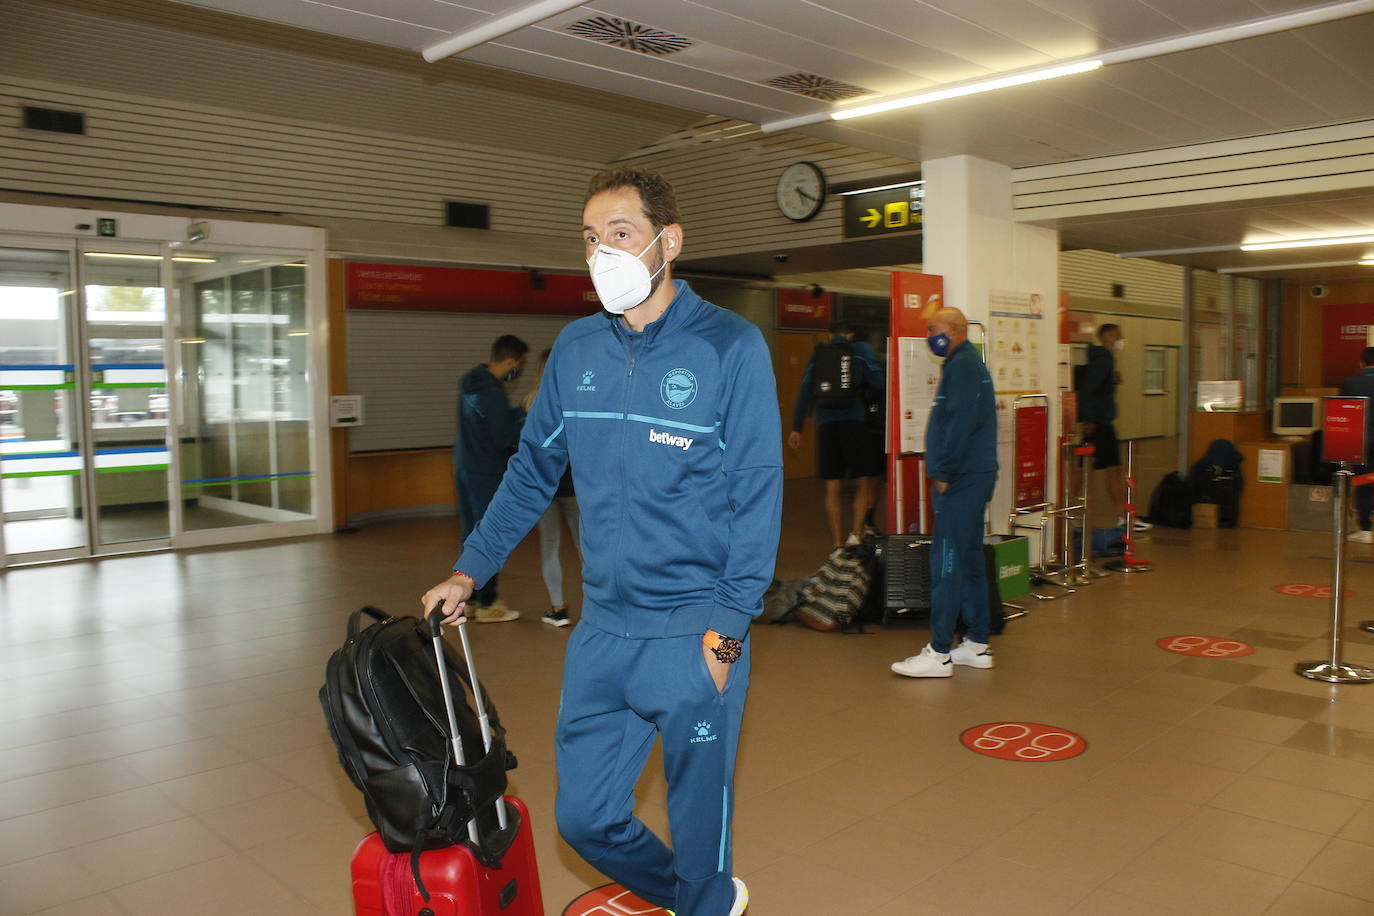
x=458, y=884
x=456, y=881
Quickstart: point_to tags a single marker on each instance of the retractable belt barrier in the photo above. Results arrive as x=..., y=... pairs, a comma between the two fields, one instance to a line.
x=1029, y=497
x=1129, y=562
x=1343, y=441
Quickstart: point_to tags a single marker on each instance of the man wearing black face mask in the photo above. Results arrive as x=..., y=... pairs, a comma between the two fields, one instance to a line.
x=488, y=430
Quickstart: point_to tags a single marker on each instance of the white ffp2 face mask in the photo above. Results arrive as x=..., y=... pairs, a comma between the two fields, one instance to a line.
x=621, y=279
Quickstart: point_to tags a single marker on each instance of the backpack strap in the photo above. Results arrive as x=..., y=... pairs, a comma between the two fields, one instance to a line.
x=355, y=619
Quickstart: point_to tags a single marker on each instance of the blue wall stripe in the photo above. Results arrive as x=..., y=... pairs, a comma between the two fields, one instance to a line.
x=20, y=456
x=97, y=367
x=131, y=451
x=9, y=368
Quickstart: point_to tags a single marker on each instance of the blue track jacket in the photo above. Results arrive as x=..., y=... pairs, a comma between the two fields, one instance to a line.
x=1097, y=399
x=488, y=426
x=675, y=443
x=961, y=435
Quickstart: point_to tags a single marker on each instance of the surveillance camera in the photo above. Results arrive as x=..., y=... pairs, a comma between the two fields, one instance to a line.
x=782, y=258
x=197, y=232
x=1317, y=292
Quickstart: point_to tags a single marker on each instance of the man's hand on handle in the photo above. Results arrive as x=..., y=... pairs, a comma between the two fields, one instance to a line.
x=940, y=485
x=454, y=593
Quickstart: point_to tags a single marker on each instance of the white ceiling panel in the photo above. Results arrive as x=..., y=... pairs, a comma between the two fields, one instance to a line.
x=1196, y=16
x=928, y=27
x=375, y=27
x=1033, y=26
x=1121, y=22
x=427, y=13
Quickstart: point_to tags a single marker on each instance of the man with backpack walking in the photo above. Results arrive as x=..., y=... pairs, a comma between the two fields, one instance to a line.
x=664, y=405
x=840, y=376
x=1096, y=387
x=961, y=463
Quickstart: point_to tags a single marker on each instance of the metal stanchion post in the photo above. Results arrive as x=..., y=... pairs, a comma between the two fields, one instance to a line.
x=1128, y=562
x=1086, y=570
x=1333, y=670
x=1073, y=572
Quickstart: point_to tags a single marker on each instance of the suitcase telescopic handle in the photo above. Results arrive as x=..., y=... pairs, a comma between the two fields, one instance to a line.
x=436, y=622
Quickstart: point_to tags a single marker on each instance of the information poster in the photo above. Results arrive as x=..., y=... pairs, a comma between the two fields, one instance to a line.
x=1015, y=354
x=1270, y=465
x=920, y=377
x=915, y=298
x=1032, y=445
x=1343, y=430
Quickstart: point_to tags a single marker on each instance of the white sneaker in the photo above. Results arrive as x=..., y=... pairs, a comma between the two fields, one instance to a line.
x=972, y=654
x=1361, y=537
x=928, y=663
x=496, y=612
x=1139, y=525
x=741, y=898
x=852, y=540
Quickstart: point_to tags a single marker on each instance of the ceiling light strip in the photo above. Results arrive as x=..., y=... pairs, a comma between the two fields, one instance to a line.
x=1204, y=39
x=467, y=39
x=1263, y=268
x=1308, y=243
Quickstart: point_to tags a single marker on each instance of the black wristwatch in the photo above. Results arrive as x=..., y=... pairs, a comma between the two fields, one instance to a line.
x=727, y=649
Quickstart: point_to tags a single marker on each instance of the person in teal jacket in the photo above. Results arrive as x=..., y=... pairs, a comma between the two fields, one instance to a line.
x=961, y=463
x=667, y=408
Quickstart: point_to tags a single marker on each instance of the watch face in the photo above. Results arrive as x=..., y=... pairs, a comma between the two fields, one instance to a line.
x=801, y=191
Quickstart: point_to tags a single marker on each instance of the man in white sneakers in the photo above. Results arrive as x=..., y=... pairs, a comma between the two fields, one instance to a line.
x=961, y=462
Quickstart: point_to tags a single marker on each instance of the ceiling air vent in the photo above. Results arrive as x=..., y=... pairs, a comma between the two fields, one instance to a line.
x=630, y=35
x=817, y=87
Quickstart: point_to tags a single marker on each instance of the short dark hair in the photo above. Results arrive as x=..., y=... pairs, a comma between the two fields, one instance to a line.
x=1107, y=329
x=508, y=346
x=842, y=327
x=656, y=194
x=1367, y=356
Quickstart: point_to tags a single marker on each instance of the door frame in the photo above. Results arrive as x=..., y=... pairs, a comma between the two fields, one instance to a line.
x=74, y=230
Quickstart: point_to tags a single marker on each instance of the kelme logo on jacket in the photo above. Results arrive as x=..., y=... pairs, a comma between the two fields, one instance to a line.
x=703, y=733
x=587, y=381
x=679, y=388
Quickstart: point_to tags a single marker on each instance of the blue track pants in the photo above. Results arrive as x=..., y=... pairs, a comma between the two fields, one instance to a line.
x=617, y=694
x=959, y=584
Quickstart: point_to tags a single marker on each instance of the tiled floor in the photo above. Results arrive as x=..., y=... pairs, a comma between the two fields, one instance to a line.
x=162, y=750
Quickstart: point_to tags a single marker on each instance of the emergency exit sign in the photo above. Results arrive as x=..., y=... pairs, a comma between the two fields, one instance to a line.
x=883, y=211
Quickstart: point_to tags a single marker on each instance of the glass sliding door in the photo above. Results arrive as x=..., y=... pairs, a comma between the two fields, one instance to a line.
x=244, y=391
x=126, y=318
x=42, y=466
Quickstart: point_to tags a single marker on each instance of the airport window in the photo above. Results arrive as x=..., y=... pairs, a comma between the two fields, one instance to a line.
x=1156, y=370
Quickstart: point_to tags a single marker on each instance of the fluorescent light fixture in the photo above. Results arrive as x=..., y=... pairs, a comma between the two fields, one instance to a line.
x=1367, y=262
x=1308, y=243
x=1271, y=268
x=297, y=333
x=193, y=340
x=1253, y=28
x=66, y=292
x=954, y=92
x=495, y=27
x=883, y=187
x=124, y=257
x=187, y=259
x=250, y=260
x=294, y=264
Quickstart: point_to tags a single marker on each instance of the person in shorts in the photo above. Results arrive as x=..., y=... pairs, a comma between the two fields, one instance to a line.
x=844, y=443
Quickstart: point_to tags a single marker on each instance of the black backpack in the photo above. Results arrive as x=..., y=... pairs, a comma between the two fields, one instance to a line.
x=834, y=378
x=384, y=705
x=1171, y=504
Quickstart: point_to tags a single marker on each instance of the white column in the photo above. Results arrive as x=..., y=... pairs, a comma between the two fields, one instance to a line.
x=971, y=239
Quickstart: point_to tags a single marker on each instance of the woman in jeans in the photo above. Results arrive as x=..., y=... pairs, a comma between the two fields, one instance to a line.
x=563, y=508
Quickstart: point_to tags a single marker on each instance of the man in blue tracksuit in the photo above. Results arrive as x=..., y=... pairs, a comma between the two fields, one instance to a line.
x=666, y=406
x=488, y=428
x=961, y=462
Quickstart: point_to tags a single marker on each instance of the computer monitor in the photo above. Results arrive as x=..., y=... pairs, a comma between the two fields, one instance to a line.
x=1296, y=417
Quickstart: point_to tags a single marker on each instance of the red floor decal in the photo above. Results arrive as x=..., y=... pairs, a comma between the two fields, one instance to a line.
x=1206, y=646
x=1026, y=742
x=1299, y=590
x=611, y=900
